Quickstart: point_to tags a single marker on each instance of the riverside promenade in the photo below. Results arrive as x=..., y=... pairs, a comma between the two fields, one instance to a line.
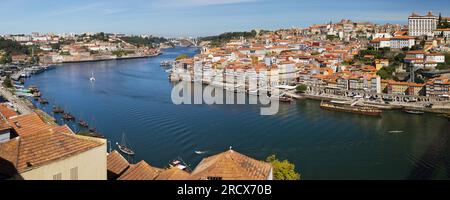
x=19, y=104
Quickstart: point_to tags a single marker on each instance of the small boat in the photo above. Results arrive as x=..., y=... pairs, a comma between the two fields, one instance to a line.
x=68, y=116
x=37, y=94
x=178, y=164
x=395, y=131
x=83, y=123
x=93, y=130
x=415, y=112
x=92, y=79
x=199, y=152
x=57, y=109
x=43, y=101
x=123, y=146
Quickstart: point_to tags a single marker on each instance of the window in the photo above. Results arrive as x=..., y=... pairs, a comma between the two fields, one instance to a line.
x=214, y=178
x=74, y=173
x=57, y=176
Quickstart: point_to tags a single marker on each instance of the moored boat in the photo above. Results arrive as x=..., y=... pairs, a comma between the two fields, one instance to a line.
x=83, y=123
x=57, y=109
x=363, y=110
x=43, y=101
x=123, y=146
x=68, y=116
x=415, y=112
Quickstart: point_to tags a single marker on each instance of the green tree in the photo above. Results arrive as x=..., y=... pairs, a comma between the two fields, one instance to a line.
x=301, y=88
x=181, y=57
x=6, y=58
x=283, y=170
x=7, y=82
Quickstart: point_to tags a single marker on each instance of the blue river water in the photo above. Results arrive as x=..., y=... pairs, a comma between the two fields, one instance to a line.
x=134, y=97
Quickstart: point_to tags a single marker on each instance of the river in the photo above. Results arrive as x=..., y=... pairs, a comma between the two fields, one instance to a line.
x=134, y=97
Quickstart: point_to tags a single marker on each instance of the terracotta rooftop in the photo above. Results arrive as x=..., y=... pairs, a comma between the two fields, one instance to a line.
x=28, y=124
x=173, y=174
x=140, y=171
x=34, y=150
x=116, y=163
x=7, y=112
x=231, y=165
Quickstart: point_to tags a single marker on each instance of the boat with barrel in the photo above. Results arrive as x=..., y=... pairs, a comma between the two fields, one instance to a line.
x=83, y=123
x=68, y=117
x=43, y=101
x=124, y=147
x=353, y=108
x=57, y=109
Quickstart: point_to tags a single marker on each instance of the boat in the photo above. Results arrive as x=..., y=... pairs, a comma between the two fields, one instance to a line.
x=93, y=130
x=123, y=146
x=395, y=131
x=43, y=101
x=37, y=94
x=57, y=109
x=178, y=163
x=83, y=123
x=415, y=112
x=363, y=110
x=68, y=116
x=92, y=79
x=199, y=152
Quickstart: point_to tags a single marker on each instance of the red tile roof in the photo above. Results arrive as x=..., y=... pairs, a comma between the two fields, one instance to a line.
x=116, y=163
x=140, y=171
x=28, y=124
x=231, y=165
x=173, y=174
x=42, y=147
x=7, y=112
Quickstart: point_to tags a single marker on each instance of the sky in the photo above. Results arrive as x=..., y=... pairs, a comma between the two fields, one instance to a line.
x=178, y=18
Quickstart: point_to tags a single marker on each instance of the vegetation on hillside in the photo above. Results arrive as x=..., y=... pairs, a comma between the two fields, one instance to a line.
x=283, y=170
x=226, y=37
x=181, y=57
x=13, y=47
x=144, y=41
x=301, y=88
x=442, y=23
x=7, y=82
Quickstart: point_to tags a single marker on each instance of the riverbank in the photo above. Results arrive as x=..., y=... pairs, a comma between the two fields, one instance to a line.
x=110, y=58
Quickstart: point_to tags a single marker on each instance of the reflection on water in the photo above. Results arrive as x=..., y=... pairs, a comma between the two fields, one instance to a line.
x=133, y=96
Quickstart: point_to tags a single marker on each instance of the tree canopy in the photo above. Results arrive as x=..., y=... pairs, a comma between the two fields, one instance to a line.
x=144, y=41
x=181, y=57
x=13, y=47
x=226, y=37
x=283, y=170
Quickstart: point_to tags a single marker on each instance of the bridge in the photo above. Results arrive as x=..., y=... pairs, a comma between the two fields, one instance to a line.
x=184, y=42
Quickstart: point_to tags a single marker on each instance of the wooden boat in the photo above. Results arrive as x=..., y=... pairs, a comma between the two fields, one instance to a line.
x=83, y=123
x=33, y=89
x=68, y=117
x=415, y=112
x=43, y=101
x=123, y=146
x=363, y=110
x=57, y=109
x=37, y=94
x=94, y=130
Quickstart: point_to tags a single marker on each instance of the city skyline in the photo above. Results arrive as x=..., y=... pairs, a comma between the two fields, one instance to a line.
x=176, y=18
